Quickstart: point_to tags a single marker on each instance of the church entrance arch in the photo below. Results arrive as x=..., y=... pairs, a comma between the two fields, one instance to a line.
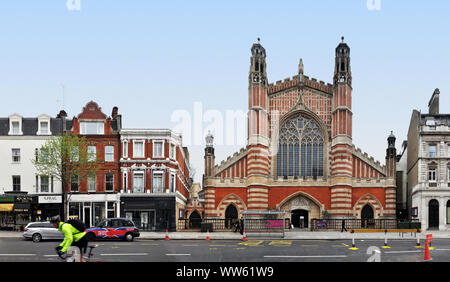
x=302, y=209
x=300, y=218
x=231, y=215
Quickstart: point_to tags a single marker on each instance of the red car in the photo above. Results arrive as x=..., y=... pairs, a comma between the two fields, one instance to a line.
x=113, y=228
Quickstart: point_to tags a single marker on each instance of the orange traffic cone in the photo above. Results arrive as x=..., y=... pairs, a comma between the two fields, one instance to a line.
x=427, y=256
x=207, y=235
x=167, y=235
x=244, y=238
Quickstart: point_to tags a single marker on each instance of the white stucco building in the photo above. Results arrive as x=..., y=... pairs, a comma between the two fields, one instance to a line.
x=25, y=195
x=428, y=167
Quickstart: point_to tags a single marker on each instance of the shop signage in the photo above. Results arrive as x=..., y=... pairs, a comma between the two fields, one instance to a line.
x=6, y=199
x=50, y=199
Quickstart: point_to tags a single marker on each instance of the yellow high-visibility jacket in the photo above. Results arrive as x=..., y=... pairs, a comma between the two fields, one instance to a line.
x=70, y=234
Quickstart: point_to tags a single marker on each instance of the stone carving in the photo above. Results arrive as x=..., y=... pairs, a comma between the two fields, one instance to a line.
x=300, y=203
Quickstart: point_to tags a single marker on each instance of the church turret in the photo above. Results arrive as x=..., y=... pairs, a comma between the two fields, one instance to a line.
x=209, y=155
x=391, y=156
x=341, y=133
x=342, y=70
x=258, y=133
x=258, y=129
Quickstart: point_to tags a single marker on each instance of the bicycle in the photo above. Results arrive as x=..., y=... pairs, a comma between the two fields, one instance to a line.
x=73, y=254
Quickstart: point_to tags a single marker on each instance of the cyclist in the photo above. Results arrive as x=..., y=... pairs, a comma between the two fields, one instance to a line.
x=71, y=237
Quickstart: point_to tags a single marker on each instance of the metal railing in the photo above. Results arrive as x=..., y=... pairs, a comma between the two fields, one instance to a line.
x=336, y=224
x=220, y=224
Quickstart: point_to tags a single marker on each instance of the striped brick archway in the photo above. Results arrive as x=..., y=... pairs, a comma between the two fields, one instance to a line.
x=372, y=201
x=231, y=199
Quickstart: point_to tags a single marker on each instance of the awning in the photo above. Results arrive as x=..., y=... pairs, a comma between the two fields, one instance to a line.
x=6, y=207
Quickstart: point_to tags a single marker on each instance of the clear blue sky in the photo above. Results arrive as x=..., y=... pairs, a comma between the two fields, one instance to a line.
x=151, y=58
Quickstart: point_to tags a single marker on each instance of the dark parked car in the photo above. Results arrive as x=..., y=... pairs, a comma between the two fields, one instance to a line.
x=114, y=228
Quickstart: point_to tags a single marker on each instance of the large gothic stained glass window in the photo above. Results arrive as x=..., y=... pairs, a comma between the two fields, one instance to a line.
x=300, y=148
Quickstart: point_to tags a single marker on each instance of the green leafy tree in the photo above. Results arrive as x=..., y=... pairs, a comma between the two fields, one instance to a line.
x=63, y=157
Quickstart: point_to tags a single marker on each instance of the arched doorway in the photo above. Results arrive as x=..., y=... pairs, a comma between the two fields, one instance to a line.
x=195, y=219
x=433, y=214
x=367, y=218
x=448, y=212
x=299, y=218
x=231, y=215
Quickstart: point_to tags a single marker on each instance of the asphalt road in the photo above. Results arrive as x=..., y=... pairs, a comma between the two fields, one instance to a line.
x=257, y=251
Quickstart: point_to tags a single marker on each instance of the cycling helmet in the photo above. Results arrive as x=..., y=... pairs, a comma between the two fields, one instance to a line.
x=55, y=218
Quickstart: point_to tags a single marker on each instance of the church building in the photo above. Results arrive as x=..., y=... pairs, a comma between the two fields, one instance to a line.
x=299, y=156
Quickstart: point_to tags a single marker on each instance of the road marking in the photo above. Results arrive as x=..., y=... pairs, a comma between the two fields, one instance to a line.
x=280, y=243
x=305, y=256
x=149, y=244
x=125, y=254
x=400, y=252
x=218, y=245
x=190, y=245
x=251, y=243
x=17, y=255
x=178, y=254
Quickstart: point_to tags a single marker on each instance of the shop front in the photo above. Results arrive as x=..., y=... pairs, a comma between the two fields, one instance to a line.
x=15, y=211
x=91, y=209
x=149, y=213
x=48, y=206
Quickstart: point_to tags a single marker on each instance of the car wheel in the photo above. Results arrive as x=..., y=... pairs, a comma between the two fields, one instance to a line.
x=129, y=237
x=36, y=237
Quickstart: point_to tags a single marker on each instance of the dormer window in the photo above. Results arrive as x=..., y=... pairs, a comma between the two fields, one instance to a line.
x=15, y=125
x=44, y=125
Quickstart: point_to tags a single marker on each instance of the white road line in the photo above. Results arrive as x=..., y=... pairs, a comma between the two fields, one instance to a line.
x=399, y=252
x=17, y=255
x=125, y=254
x=305, y=256
x=178, y=254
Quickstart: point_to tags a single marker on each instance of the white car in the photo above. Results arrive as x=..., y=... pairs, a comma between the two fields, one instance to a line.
x=38, y=231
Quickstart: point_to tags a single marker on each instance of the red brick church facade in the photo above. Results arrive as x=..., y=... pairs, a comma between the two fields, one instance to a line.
x=299, y=156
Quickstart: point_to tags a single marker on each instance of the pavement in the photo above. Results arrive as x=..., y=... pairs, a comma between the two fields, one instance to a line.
x=289, y=235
